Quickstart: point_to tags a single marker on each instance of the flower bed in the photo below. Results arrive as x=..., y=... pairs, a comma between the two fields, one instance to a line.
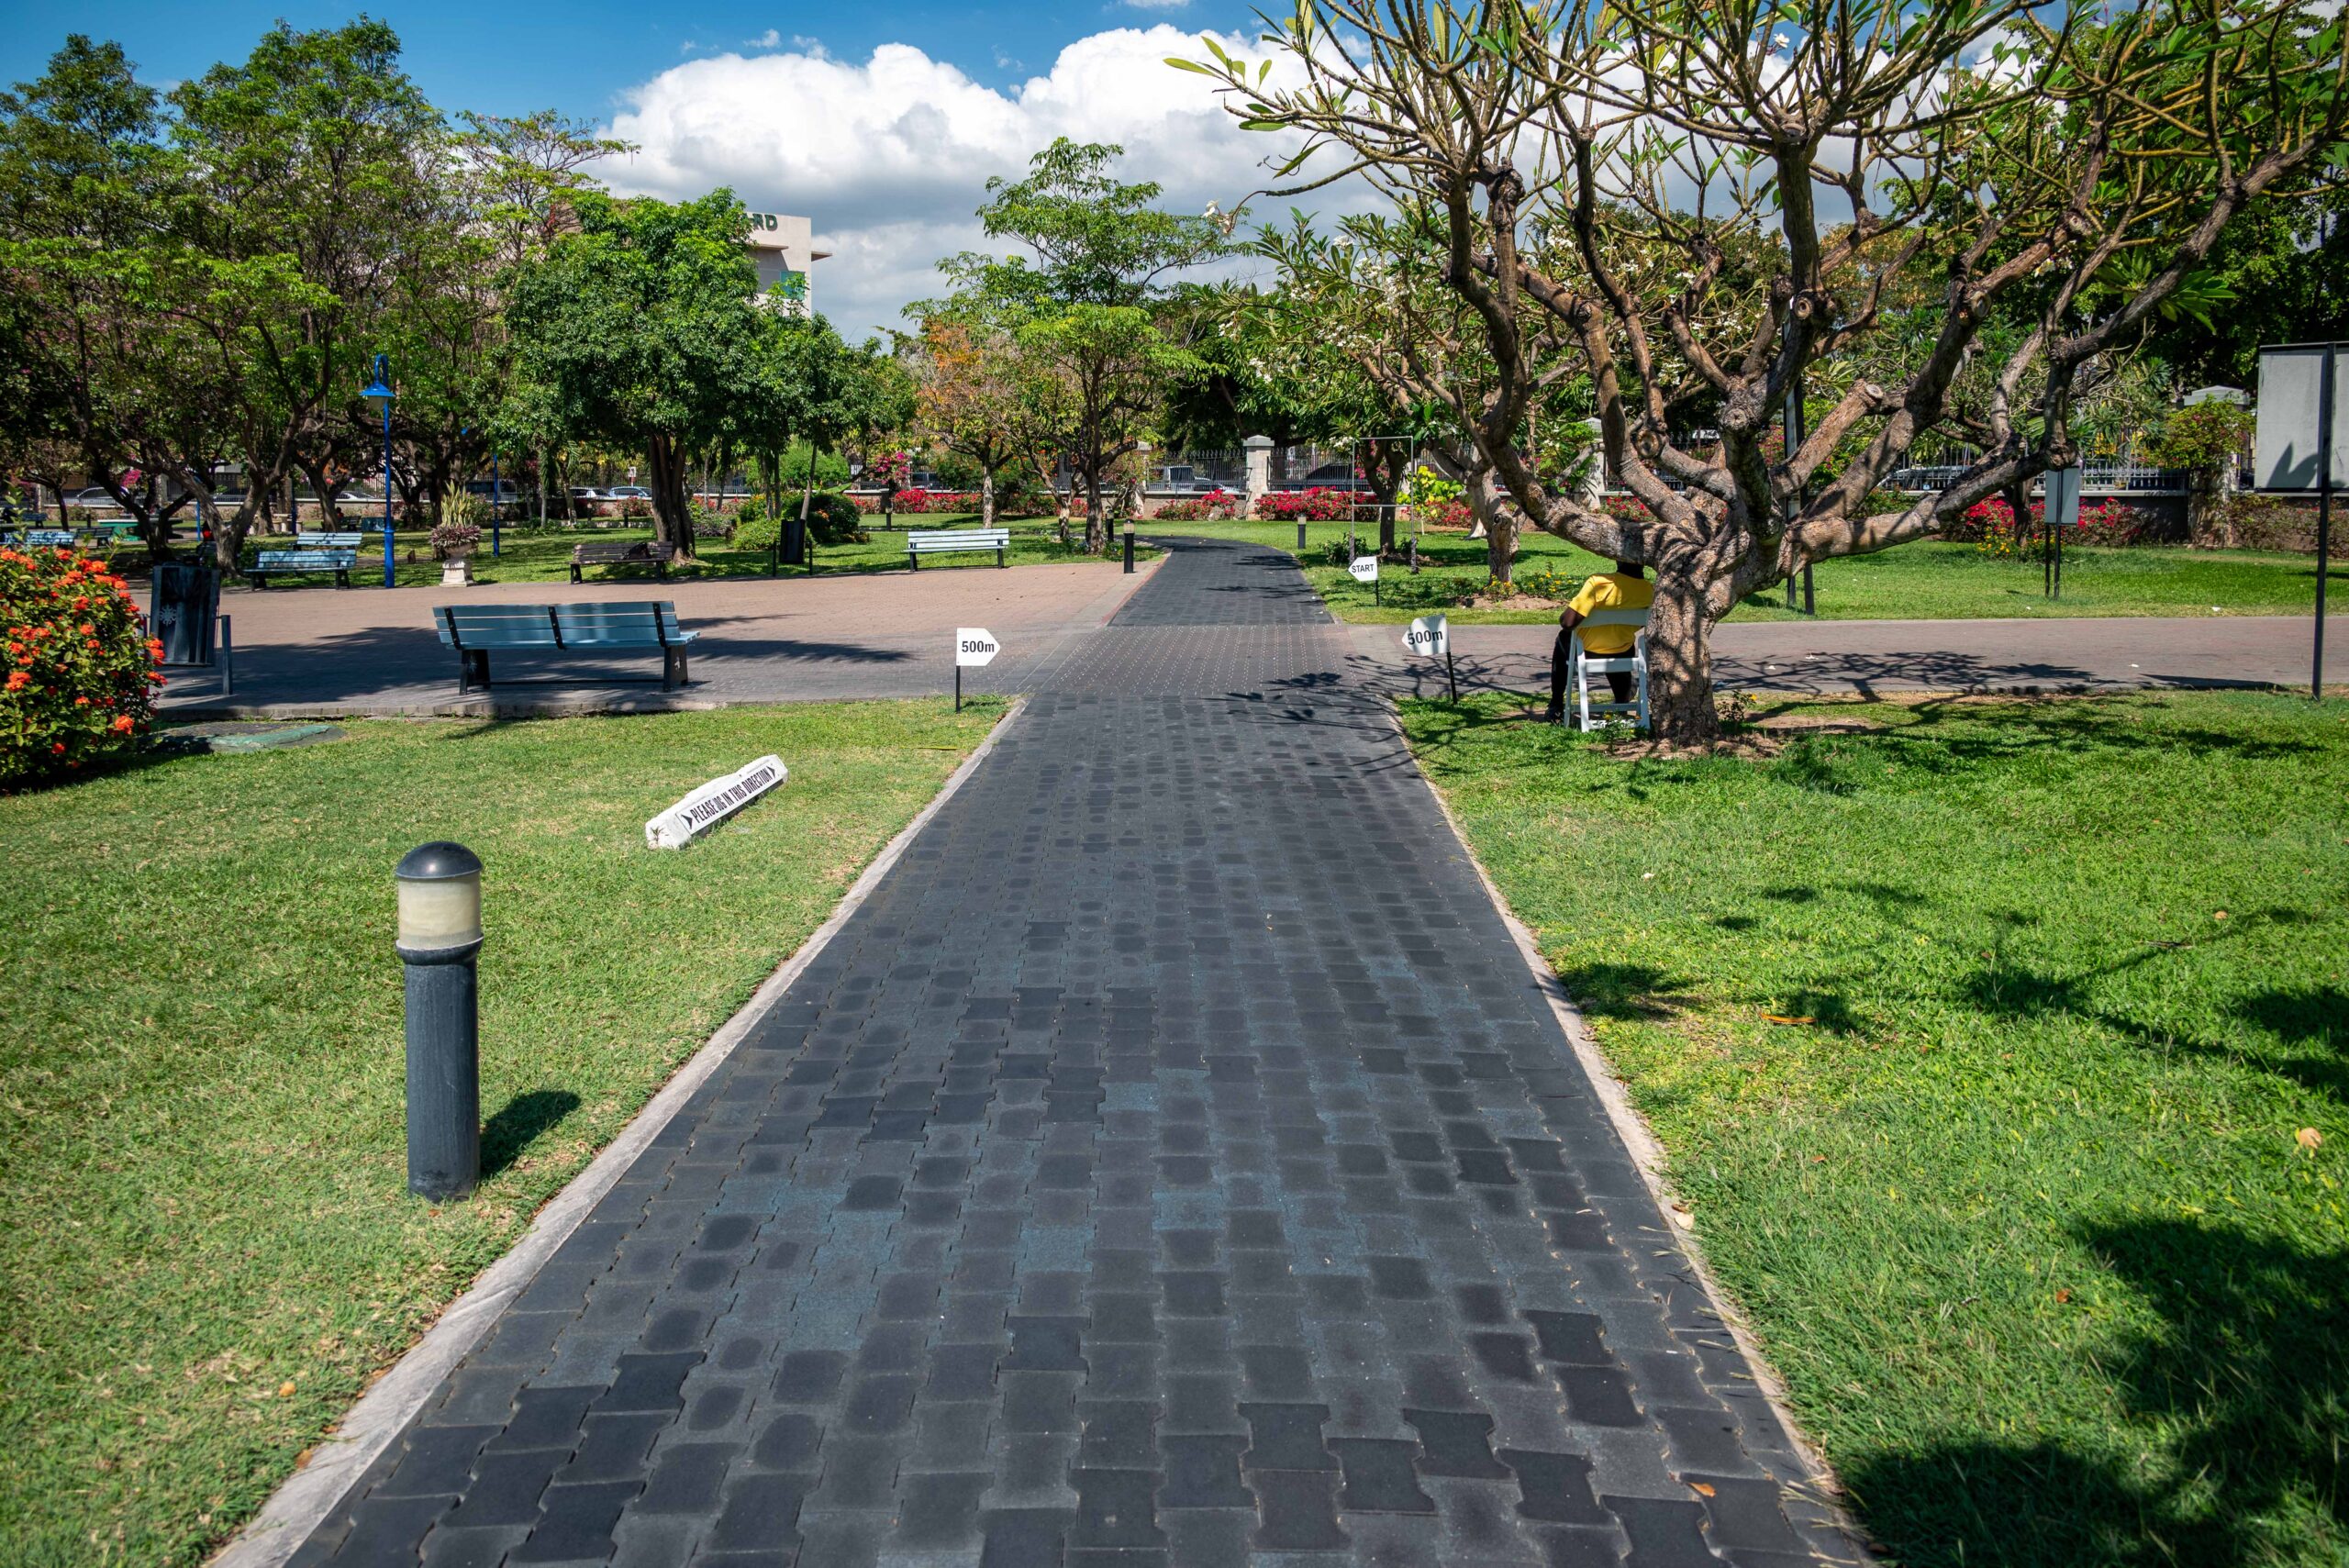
x=81, y=667
x=1990, y=526
x=1215, y=505
x=1318, y=504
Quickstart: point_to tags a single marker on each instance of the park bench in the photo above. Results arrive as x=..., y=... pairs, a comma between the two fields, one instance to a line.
x=622, y=552
x=950, y=541
x=475, y=631
x=49, y=539
x=312, y=552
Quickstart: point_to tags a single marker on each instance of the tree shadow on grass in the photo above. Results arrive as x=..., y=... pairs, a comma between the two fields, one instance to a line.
x=527, y=1117
x=1625, y=991
x=2242, y=1389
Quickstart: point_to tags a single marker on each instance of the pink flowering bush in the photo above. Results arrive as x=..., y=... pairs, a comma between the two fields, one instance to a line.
x=1318, y=504
x=1991, y=525
x=1218, y=505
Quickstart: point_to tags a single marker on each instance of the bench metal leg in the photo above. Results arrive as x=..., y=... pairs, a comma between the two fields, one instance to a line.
x=473, y=669
x=673, y=669
x=999, y=560
x=913, y=561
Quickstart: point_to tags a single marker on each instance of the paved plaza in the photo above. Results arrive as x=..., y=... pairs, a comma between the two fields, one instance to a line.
x=358, y=652
x=1174, y=1163
x=325, y=652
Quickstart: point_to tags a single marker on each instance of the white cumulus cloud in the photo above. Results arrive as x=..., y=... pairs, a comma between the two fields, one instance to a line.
x=891, y=157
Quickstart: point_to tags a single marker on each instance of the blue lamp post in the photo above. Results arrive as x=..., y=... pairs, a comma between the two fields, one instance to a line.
x=379, y=393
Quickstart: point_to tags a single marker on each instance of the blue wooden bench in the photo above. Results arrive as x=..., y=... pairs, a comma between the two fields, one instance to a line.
x=312, y=552
x=474, y=630
x=948, y=541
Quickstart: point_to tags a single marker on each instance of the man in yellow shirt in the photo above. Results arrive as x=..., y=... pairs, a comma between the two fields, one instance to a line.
x=1625, y=588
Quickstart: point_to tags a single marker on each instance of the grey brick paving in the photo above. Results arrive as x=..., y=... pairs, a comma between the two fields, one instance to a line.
x=1171, y=1164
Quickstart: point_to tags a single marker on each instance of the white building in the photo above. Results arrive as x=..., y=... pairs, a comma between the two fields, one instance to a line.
x=784, y=248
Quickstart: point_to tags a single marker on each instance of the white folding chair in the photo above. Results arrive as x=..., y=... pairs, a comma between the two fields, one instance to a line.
x=1634, y=664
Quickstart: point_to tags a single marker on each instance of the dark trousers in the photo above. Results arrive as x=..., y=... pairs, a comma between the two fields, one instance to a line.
x=1562, y=656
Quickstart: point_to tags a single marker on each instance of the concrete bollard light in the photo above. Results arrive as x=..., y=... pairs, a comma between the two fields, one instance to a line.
x=1130, y=547
x=439, y=938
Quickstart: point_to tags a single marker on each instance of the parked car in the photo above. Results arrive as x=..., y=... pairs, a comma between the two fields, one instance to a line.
x=97, y=495
x=627, y=492
x=1332, y=477
x=1183, y=477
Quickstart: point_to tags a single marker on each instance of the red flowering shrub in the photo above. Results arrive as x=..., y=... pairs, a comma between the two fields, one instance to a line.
x=79, y=665
x=1991, y=525
x=934, y=501
x=1218, y=505
x=1318, y=505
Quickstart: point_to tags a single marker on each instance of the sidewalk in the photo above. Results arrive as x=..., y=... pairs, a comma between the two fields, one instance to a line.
x=1882, y=658
x=1174, y=1162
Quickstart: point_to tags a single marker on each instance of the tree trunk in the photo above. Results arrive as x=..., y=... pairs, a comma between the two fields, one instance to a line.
x=1498, y=519
x=672, y=525
x=987, y=498
x=1095, y=536
x=1680, y=660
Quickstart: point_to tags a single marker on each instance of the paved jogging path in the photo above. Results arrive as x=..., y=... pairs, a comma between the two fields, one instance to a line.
x=1172, y=1163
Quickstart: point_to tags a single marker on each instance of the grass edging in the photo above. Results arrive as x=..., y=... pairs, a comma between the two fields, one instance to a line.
x=1648, y=1157
x=304, y=1499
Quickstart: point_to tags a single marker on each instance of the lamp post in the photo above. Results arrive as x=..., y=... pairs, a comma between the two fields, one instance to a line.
x=378, y=392
x=493, y=503
x=439, y=940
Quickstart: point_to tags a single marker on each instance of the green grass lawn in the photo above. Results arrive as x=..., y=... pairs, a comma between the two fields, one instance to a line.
x=1982, y=1046
x=1929, y=581
x=210, y=1247
x=531, y=554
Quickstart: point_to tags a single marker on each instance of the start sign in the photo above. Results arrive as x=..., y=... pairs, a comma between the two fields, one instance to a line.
x=974, y=647
x=1365, y=569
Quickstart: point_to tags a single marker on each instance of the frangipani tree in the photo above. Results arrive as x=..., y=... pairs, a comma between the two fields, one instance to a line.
x=1712, y=202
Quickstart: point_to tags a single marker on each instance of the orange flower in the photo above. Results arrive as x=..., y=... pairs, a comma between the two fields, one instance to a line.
x=122, y=723
x=81, y=702
x=19, y=681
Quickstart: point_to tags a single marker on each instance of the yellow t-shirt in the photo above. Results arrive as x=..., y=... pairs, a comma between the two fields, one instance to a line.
x=1610, y=591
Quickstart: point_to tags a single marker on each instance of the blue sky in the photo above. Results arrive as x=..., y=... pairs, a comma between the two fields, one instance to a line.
x=508, y=58
x=881, y=124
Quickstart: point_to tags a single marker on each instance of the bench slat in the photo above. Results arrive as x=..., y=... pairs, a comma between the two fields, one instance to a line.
x=495, y=625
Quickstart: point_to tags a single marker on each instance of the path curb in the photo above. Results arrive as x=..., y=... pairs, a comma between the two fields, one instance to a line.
x=304, y=1500
x=1647, y=1154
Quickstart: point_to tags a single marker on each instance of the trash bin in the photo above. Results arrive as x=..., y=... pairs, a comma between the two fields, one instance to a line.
x=183, y=606
x=795, y=540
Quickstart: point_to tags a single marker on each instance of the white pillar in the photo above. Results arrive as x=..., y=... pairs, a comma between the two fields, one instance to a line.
x=1259, y=467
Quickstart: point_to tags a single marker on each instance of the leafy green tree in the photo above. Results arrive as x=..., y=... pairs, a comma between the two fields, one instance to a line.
x=642, y=331
x=317, y=162
x=106, y=369
x=1088, y=312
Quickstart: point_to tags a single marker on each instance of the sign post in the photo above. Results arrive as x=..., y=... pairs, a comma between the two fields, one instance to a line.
x=1429, y=635
x=2062, y=509
x=974, y=647
x=1365, y=569
x=2299, y=445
